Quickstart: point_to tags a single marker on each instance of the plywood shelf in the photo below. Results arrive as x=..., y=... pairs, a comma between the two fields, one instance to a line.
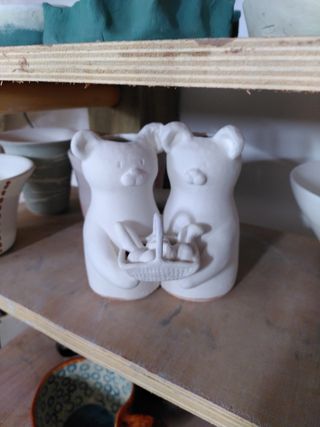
x=251, y=358
x=23, y=364
x=277, y=64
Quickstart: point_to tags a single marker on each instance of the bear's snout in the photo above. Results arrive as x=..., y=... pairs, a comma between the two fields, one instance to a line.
x=195, y=177
x=134, y=177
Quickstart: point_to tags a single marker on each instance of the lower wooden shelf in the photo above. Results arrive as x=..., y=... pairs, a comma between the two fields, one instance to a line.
x=251, y=358
x=23, y=364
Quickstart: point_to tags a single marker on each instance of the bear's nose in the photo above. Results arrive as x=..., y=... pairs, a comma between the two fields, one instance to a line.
x=195, y=177
x=133, y=177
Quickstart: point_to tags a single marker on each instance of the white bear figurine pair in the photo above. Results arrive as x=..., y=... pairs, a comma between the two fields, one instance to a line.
x=200, y=214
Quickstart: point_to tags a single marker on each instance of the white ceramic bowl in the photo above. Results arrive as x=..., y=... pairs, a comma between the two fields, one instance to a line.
x=48, y=190
x=305, y=183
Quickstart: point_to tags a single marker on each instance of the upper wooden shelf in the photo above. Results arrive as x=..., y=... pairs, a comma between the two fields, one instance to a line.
x=250, y=358
x=278, y=64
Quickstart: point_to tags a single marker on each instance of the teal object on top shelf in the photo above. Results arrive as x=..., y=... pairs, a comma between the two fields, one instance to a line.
x=11, y=36
x=124, y=20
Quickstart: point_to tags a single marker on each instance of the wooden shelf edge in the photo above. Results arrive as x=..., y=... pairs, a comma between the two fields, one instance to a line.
x=188, y=401
x=290, y=64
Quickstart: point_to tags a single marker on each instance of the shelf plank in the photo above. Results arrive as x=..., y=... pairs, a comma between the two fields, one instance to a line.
x=277, y=64
x=251, y=358
x=15, y=98
x=23, y=363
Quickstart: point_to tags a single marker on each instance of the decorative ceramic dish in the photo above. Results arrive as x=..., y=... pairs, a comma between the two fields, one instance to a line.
x=78, y=390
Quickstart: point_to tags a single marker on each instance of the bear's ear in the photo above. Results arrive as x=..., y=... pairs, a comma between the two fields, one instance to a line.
x=83, y=143
x=174, y=133
x=150, y=136
x=230, y=139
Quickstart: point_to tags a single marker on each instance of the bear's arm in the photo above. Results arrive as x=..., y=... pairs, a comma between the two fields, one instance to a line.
x=104, y=257
x=222, y=247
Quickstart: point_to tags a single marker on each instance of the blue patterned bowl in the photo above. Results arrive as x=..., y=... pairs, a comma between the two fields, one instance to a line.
x=74, y=384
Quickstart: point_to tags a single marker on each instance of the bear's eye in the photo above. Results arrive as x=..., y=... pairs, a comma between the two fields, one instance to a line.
x=119, y=164
x=142, y=162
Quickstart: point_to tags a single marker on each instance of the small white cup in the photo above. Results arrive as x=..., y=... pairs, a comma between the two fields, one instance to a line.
x=14, y=172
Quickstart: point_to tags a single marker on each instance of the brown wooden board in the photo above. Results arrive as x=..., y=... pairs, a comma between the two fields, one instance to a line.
x=16, y=97
x=23, y=364
x=248, y=63
x=252, y=357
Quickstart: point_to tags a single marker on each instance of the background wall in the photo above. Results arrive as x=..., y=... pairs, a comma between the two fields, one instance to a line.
x=280, y=129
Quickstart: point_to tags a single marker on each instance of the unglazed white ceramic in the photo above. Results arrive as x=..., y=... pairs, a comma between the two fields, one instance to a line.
x=195, y=254
x=161, y=258
x=203, y=172
x=120, y=174
x=83, y=186
x=305, y=183
x=14, y=172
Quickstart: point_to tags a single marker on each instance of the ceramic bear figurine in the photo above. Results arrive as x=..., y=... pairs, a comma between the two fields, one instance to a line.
x=202, y=173
x=121, y=177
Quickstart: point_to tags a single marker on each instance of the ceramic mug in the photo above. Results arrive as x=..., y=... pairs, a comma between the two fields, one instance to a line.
x=14, y=172
x=48, y=190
